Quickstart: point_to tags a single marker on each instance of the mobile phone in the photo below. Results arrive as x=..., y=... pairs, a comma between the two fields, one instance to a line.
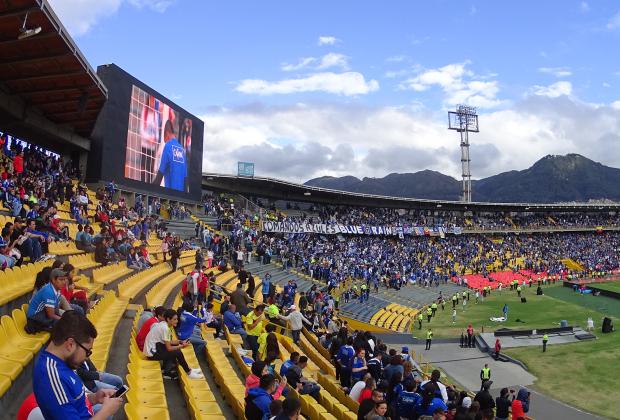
x=121, y=391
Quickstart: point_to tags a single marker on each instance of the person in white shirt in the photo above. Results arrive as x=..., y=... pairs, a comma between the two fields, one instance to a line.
x=296, y=321
x=209, y=258
x=359, y=386
x=159, y=345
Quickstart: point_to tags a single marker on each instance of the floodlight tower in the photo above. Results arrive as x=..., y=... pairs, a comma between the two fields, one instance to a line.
x=464, y=120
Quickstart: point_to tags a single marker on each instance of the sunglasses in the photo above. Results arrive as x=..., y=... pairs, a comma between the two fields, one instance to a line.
x=88, y=352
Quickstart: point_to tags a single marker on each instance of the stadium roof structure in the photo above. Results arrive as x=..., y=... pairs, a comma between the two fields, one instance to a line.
x=48, y=91
x=290, y=191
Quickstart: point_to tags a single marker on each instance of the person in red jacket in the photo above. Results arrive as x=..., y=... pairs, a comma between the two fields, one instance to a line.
x=260, y=368
x=146, y=327
x=521, y=404
x=18, y=163
x=498, y=348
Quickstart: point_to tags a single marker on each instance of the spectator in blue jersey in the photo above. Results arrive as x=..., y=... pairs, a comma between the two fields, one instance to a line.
x=358, y=365
x=290, y=362
x=430, y=402
x=407, y=402
x=34, y=212
x=6, y=258
x=259, y=399
x=188, y=328
x=59, y=391
x=266, y=287
x=343, y=358
x=233, y=322
x=172, y=165
x=43, y=309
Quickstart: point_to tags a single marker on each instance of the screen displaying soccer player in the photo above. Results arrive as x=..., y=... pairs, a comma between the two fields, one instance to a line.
x=158, y=143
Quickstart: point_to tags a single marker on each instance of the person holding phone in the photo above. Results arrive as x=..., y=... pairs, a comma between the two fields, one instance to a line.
x=58, y=390
x=159, y=345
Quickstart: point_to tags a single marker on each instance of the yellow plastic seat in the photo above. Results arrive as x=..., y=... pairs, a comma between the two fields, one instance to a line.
x=145, y=386
x=10, y=368
x=149, y=400
x=19, y=318
x=205, y=407
x=31, y=344
x=5, y=384
x=9, y=352
x=145, y=413
x=145, y=374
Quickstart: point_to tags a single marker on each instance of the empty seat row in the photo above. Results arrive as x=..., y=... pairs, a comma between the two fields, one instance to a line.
x=17, y=281
x=83, y=261
x=157, y=295
x=17, y=348
x=105, y=316
x=131, y=286
x=107, y=274
x=146, y=397
x=63, y=248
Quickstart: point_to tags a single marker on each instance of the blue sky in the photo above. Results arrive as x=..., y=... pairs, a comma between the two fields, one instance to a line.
x=331, y=88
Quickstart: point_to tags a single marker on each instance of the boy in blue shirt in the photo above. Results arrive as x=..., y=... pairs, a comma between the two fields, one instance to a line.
x=172, y=165
x=42, y=311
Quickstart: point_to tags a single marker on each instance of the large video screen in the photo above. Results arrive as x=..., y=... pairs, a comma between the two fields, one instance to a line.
x=144, y=141
x=159, y=143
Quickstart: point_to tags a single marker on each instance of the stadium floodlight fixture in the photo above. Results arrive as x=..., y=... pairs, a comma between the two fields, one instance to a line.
x=307, y=193
x=464, y=120
x=26, y=32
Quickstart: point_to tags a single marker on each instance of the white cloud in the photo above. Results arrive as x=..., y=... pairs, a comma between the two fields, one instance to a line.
x=327, y=40
x=445, y=77
x=460, y=85
x=554, y=90
x=614, y=22
x=375, y=141
x=584, y=7
x=334, y=60
x=302, y=63
x=347, y=84
x=396, y=58
x=155, y=5
x=556, y=71
x=79, y=16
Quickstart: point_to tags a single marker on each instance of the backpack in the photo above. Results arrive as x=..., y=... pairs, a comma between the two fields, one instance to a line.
x=252, y=412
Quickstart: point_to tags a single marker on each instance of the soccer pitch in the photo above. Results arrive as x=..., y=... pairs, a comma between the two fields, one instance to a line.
x=581, y=374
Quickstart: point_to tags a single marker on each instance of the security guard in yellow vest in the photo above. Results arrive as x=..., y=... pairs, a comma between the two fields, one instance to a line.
x=545, y=339
x=429, y=338
x=485, y=375
x=454, y=302
x=429, y=313
x=420, y=319
x=434, y=308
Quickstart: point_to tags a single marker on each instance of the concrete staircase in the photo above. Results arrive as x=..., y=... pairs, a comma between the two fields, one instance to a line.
x=184, y=228
x=363, y=312
x=278, y=276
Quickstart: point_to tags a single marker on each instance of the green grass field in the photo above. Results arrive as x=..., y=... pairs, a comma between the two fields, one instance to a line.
x=613, y=286
x=581, y=374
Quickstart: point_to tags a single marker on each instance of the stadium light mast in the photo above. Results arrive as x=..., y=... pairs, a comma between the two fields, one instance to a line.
x=464, y=120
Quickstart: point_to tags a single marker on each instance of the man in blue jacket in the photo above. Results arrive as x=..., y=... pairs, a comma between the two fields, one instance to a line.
x=233, y=322
x=259, y=399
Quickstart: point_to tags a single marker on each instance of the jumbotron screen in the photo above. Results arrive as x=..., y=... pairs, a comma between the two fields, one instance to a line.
x=159, y=143
x=145, y=140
